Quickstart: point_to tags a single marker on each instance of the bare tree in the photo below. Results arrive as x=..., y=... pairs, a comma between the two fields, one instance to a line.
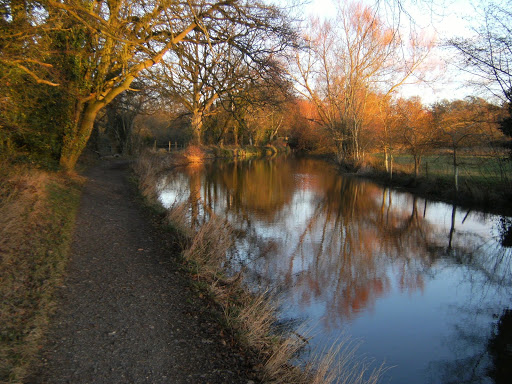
x=416, y=128
x=208, y=75
x=488, y=54
x=347, y=59
x=184, y=77
x=103, y=46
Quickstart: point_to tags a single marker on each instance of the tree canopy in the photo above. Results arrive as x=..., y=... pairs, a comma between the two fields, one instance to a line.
x=92, y=51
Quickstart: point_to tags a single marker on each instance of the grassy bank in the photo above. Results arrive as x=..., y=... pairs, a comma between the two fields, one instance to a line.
x=484, y=181
x=200, y=153
x=247, y=151
x=37, y=212
x=249, y=317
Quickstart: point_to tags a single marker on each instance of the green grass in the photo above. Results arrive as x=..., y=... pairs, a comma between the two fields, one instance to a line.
x=475, y=169
x=37, y=215
x=484, y=181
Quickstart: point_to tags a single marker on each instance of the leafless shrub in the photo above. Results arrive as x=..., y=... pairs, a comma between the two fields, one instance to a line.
x=194, y=154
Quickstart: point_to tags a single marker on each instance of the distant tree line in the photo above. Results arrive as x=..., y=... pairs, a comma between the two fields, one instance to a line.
x=236, y=72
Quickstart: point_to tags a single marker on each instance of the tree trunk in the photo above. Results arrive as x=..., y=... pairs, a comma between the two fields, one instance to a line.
x=224, y=129
x=417, y=163
x=455, y=170
x=452, y=227
x=235, y=135
x=386, y=159
x=197, y=125
x=76, y=137
x=340, y=151
x=391, y=167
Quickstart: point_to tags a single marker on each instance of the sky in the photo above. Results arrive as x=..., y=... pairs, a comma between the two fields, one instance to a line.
x=441, y=18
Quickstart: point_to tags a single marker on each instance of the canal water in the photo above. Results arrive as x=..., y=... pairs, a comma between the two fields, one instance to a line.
x=423, y=287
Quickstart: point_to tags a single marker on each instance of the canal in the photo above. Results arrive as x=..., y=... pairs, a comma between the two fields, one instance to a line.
x=421, y=286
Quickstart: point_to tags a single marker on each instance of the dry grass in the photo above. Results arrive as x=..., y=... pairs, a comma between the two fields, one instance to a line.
x=148, y=167
x=178, y=217
x=208, y=248
x=194, y=154
x=340, y=364
x=255, y=321
x=249, y=316
x=36, y=217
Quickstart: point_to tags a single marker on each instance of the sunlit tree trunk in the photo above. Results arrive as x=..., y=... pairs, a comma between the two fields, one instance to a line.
x=417, y=163
x=197, y=125
x=76, y=137
x=77, y=134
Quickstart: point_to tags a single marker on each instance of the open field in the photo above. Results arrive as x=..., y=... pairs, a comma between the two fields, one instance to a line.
x=483, y=178
x=473, y=168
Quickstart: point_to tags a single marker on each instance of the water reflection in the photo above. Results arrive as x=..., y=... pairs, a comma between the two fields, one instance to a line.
x=425, y=285
x=499, y=347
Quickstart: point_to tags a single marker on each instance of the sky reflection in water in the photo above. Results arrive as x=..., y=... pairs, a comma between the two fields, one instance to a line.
x=424, y=286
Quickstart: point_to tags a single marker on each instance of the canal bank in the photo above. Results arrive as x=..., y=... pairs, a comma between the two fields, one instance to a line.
x=484, y=192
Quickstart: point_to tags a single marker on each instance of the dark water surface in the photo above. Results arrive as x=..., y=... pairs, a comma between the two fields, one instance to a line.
x=424, y=287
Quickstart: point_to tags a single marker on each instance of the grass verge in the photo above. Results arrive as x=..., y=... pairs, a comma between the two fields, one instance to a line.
x=250, y=317
x=484, y=181
x=37, y=214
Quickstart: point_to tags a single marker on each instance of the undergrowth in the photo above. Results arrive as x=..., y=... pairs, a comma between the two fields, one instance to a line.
x=37, y=211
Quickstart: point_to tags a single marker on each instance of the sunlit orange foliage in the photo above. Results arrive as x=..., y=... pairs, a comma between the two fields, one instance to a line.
x=352, y=56
x=194, y=154
x=467, y=122
x=306, y=130
x=416, y=128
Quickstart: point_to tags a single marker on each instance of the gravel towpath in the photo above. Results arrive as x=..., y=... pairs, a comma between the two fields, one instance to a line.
x=126, y=313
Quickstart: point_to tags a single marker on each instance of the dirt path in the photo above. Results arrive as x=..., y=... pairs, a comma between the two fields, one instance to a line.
x=125, y=313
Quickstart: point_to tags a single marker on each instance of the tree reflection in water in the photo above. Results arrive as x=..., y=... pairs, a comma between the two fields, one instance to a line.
x=342, y=245
x=500, y=349
x=506, y=232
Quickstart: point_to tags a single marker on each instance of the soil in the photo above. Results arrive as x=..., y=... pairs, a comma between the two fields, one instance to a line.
x=127, y=313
